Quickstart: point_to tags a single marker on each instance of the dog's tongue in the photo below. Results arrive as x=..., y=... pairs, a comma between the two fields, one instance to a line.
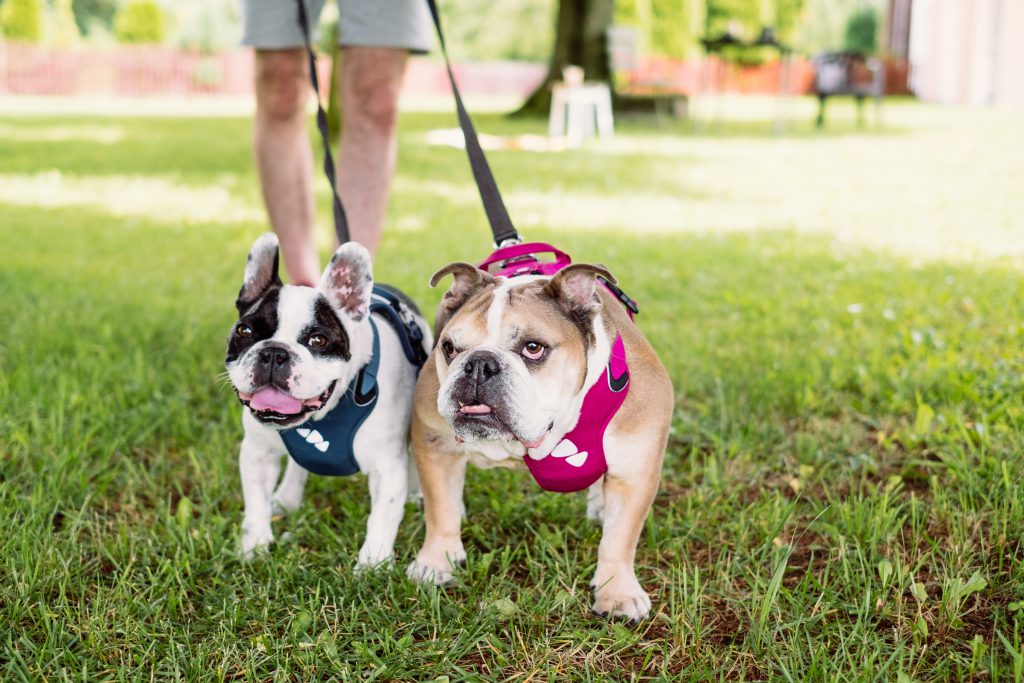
x=269, y=398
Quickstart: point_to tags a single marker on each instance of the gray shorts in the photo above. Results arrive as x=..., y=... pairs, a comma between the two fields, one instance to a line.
x=404, y=24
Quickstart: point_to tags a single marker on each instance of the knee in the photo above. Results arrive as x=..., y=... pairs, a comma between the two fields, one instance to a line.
x=371, y=104
x=281, y=88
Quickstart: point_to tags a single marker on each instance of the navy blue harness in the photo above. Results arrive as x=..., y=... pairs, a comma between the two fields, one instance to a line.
x=326, y=446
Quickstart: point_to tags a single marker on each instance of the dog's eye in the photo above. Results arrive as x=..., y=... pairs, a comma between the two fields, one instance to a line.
x=534, y=350
x=449, y=350
x=243, y=330
x=317, y=341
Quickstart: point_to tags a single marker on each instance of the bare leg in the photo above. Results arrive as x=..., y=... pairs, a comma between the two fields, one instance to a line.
x=371, y=78
x=285, y=160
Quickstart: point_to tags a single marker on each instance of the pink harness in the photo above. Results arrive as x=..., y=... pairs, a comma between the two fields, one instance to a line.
x=578, y=460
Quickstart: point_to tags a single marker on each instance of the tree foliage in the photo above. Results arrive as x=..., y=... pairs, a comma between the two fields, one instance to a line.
x=668, y=28
x=62, y=30
x=94, y=15
x=500, y=29
x=140, y=21
x=747, y=18
x=822, y=26
x=22, y=20
x=862, y=32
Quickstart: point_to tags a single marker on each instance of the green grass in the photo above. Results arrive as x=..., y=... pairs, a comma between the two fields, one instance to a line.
x=842, y=315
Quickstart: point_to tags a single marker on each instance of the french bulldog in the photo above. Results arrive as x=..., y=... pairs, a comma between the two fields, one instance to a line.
x=291, y=357
x=514, y=361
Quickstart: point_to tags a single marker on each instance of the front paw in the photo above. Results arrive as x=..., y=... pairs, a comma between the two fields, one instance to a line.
x=437, y=568
x=621, y=597
x=368, y=560
x=254, y=542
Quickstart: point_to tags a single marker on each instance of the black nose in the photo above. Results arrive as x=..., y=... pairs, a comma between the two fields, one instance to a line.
x=481, y=366
x=273, y=356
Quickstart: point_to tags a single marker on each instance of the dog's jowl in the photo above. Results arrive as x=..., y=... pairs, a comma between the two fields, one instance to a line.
x=549, y=374
x=326, y=376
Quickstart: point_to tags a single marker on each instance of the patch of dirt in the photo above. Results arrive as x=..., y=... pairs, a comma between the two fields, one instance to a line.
x=721, y=624
x=810, y=554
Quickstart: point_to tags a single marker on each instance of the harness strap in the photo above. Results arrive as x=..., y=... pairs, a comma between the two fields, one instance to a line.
x=409, y=333
x=494, y=206
x=340, y=219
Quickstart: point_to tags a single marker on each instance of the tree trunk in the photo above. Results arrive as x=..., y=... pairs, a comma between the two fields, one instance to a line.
x=581, y=38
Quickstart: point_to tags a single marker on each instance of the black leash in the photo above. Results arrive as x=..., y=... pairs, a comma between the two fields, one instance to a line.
x=340, y=219
x=497, y=215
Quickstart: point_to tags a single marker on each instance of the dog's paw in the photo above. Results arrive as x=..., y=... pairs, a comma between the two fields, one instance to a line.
x=429, y=574
x=254, y=544
x=622, y=598
x=368, y=561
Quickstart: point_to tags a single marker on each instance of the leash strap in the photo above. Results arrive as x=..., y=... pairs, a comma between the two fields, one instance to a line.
x=494, y=206
x=340, y=219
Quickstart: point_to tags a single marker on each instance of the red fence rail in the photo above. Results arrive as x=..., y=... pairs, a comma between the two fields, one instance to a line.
x=139, y=71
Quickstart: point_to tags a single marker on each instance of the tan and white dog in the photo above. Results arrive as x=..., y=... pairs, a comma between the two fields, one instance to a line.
x=513, y=362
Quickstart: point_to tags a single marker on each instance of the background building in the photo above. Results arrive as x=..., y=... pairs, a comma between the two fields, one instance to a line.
x=963, y=51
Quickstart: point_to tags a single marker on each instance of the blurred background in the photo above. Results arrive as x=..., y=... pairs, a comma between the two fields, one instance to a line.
x=949, y=51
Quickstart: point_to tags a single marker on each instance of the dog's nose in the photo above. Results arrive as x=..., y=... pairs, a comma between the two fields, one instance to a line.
x=273, y=356
x=482, y=366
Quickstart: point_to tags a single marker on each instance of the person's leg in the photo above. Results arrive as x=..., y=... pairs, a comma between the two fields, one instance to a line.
x=371, y=79
x=284, y=158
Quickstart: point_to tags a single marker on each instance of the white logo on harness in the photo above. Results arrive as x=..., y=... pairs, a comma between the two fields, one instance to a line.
x=316, y=439
x=568, y=450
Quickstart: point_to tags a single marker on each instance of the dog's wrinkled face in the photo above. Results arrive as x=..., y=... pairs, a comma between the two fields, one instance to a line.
x=292, y=346
x=514, y=354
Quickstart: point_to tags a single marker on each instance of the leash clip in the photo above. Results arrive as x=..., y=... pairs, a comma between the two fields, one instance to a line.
x=509, y=242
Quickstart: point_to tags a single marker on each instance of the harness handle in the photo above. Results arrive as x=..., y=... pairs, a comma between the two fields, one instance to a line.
x=340, y=219
x=497, y=215
x=520, y=259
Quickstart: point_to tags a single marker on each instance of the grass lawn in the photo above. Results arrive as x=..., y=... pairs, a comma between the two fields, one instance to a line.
x=842, y=315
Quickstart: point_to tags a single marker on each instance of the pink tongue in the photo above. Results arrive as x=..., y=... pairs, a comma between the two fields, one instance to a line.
x=475, y=410
x=269, y=398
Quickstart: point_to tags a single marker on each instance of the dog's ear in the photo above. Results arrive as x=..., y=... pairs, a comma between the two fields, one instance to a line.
x=575, y=289
x=468, y=281
x=348, y=280
x=260, y=271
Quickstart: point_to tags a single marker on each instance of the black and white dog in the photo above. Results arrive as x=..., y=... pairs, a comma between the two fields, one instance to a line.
x=293, y=355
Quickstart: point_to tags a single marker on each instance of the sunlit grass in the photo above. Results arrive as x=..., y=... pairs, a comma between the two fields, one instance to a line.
x=841, y=314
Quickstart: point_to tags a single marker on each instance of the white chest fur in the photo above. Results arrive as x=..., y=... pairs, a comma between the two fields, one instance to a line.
x=496, y=454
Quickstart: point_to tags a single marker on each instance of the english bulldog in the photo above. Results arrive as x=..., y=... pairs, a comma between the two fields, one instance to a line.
x=514, y=361
x=292, y=356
